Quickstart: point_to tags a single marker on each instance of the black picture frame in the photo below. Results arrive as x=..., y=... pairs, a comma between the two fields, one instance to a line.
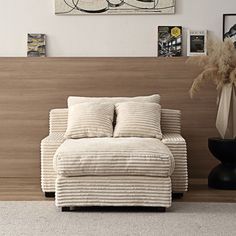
x=169, y=41
x=224, y=20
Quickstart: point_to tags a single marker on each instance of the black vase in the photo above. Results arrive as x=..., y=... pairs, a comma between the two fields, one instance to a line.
x=223, y=176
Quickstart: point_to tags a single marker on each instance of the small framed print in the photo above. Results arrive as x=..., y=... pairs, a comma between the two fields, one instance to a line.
x=169, y=41
x=197, y=42
x=229, y=27
x=36, y=45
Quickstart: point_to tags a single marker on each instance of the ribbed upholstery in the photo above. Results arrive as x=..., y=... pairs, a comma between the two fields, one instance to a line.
x=171, y=128
x=114, y=156
x=177, y=145
x=49, y=146
x=72, y=100
x=138, y=120
x=58, y=120
x=170, y=121
x=113, y=191
x=87, y=120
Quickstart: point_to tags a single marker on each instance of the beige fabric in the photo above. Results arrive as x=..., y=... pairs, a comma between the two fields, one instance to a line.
x=111, y=156
x=138, y=120
x=49, y=146
x=87, y=120
x=113, y=191
x=178, y=148
x=175, y=143
x=58, y=120
x=170, y=121
x=72, y=100
x=170, y=124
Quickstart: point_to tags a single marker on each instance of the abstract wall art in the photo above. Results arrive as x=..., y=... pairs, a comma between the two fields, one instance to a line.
x=36, y=45
x=81, y=7
x=229, y=27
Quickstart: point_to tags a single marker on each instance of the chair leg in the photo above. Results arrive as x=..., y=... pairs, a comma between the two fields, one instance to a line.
x=115, y=209
x=177, y=195
x=161, y=209
x=65, y=209
x=49, y=194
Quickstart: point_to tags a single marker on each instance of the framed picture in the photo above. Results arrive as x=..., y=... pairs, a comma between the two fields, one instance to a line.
x=169, y=41
x=197, y=43
x=100, y=7
x=229, y=27
x=36, y=45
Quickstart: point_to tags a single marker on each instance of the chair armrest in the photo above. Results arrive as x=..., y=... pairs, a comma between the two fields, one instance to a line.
x=58, y=120
x=49, y=145
x=177, y=145
x=173, y=138
x=171, y=121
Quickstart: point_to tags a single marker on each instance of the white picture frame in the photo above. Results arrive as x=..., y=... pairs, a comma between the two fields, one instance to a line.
x=197, y=43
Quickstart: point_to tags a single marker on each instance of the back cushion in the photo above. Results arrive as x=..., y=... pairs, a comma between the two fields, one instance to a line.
x=90, y=120
x=113, y=100
x=135, y=119
x=170, y=120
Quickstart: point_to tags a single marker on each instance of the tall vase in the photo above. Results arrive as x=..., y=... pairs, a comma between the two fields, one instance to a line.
x=223, y=176
x=226, y=116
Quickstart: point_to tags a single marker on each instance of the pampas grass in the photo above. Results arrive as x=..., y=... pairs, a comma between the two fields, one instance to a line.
x=219, y=66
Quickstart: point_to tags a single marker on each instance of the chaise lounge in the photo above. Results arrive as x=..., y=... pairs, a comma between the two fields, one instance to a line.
x=114, y=171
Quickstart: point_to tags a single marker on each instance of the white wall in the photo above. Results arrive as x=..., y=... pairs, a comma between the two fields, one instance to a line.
x=100, y=35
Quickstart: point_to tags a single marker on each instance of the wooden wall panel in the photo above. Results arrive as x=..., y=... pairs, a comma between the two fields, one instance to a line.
x=30, y=87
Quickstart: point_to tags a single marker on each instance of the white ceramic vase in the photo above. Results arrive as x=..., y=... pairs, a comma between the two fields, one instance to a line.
x=226, y=115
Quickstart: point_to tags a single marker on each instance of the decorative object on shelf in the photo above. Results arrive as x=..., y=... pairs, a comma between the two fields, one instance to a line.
x=197, y=43
x=229, y=27
x=36, y=45
x=220, y=68
x=81, y=7
x=169, y=41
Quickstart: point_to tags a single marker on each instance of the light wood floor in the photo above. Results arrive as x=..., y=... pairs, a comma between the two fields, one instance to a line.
x=25, y=189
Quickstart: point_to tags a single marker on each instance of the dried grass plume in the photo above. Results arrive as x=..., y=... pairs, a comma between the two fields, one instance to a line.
x=219, y=66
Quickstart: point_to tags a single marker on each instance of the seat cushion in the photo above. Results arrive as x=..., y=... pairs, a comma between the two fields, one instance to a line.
x=113, y=156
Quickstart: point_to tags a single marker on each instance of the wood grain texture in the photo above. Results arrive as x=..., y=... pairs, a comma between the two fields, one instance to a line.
x=28, y=189
x=21, y=189
x=30, y=87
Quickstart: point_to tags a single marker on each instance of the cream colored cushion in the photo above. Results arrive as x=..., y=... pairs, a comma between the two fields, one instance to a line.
x=138, y=120
x=72, y=100
x=87, y=120
x=113, y=156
